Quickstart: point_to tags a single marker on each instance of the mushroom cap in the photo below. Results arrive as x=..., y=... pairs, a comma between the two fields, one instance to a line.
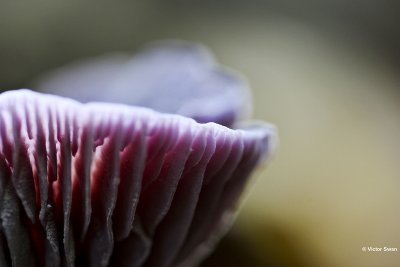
x=168, y=76
x=101, y=184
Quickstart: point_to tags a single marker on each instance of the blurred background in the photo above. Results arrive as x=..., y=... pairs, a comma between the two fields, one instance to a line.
x=325, y=72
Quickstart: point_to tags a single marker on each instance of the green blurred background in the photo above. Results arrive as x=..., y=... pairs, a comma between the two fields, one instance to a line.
x=325, y=72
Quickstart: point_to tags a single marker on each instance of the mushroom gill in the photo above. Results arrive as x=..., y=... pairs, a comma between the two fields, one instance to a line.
x=103, y=184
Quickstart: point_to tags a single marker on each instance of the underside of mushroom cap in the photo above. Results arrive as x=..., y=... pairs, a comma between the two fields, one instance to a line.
x=102, y=184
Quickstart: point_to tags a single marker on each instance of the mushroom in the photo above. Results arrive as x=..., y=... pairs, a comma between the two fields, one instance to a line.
x=105, y=184
x=168, y=76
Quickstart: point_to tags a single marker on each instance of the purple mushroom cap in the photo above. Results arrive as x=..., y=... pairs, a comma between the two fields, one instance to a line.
x=171, y=76
x=102, y=184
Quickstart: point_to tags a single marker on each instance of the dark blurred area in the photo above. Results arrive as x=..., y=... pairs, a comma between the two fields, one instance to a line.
x=325, y=72
x=40, y=35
